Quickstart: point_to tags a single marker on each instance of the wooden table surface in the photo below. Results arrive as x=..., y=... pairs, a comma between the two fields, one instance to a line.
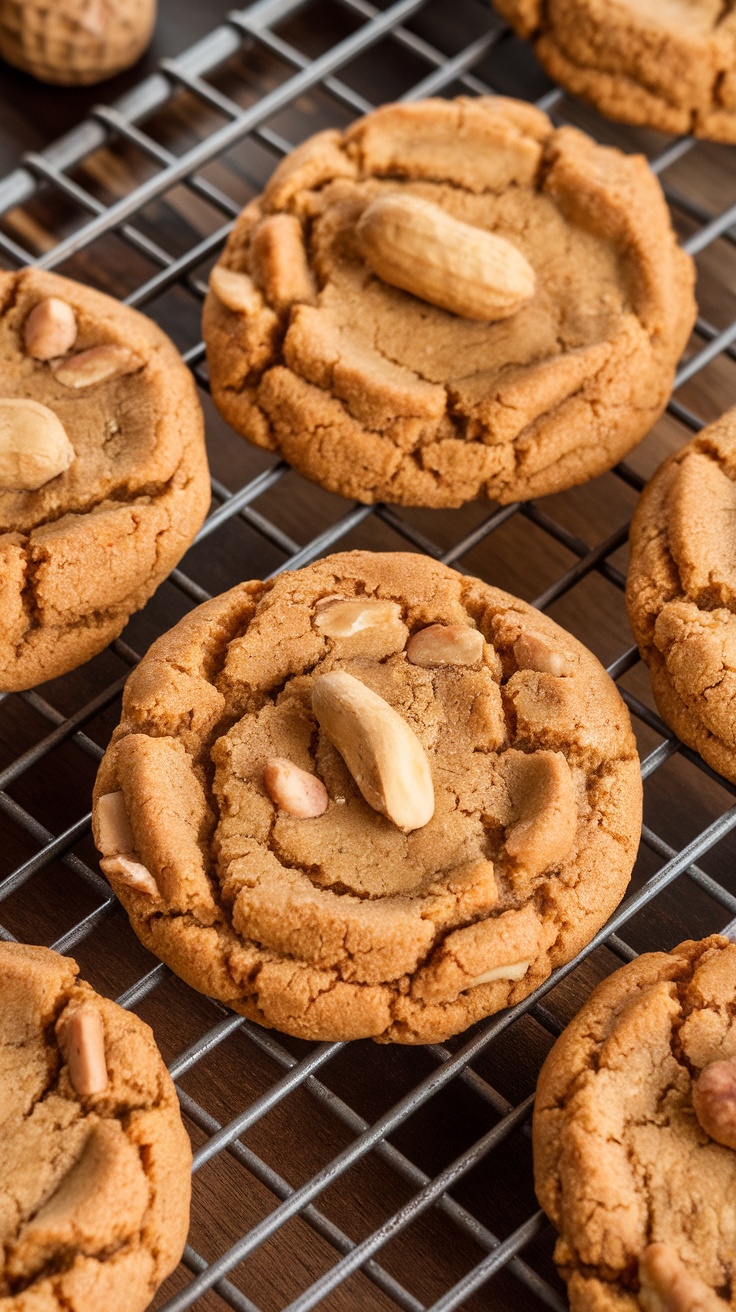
x=301, y=1134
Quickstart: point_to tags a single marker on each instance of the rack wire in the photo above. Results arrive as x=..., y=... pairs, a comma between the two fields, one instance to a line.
x=347, y=1176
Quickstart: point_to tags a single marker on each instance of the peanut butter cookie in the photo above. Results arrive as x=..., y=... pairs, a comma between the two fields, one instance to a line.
x=373, y=798
x=667, y=64
x=103, y=472
x=635, y=1132
x=74, y=41
x=94, y=1159
x=681, y=591
x=449, y=300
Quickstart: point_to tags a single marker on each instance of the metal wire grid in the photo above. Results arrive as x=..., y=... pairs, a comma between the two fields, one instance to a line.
x=247, y=31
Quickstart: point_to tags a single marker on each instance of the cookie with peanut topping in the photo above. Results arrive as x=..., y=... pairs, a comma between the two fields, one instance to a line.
x=450, y=300
x=635, y=1136
x=372, y=798
x=681, y=591
x=94, y=1160
x=73, y=42
x=667, y=64
x=103, y=471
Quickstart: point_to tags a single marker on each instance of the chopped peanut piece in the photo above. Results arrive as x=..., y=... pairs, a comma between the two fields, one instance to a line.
x=714, y=1100
x=294, y=790
x=97, y=365
x=343, y=618
x=84, y=1039
x=534, y=653
x=50, y=329
x=236, y=291
x=514, y=970
x=445, y=644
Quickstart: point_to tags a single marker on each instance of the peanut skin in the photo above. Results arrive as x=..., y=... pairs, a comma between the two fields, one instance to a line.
x=714, y=1100
x=34, y=447
x=84, y=1040
x=445, y=644
x=50, y=329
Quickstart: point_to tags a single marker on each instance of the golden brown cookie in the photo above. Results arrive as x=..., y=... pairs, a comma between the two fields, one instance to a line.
x=681, y=591
x=668, y=64
x=634, y=1136
x=379, y=393
x=94, y=1160
x=75, y=41
x=103, y=471
x=374, y=798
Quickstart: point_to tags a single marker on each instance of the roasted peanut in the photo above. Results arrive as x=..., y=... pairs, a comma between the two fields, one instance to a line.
x=714, y=1100
x=384, y=756
x=130, y=871
x=342, y=618
x=445, y=644
x=413, y=244
x=34, y=447
x=84, y=1040
x=97, y=365
x=50, y=329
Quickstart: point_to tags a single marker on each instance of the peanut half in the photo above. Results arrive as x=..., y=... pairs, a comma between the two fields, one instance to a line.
x=666, y=1284
x=236, y=291
x=533, y=652
x=514, y=970
x=445, y=644
x=114, y=838
x=84, y=1040
x=50, y=329
x=342, y=618
x=97, y=365
x=384, y=756
x=714, y=1100
x=294, y=790
x=415, y=245
x=34, y=447
x=114, y=834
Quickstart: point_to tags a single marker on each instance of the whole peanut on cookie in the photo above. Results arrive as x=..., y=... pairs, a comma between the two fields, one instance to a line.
x=451, y=299
x=369, y=798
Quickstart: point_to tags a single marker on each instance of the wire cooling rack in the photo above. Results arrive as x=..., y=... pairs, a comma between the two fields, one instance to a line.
x=347, y=1176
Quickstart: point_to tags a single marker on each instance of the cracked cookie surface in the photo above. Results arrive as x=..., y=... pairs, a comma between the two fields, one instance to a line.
x=681, y=591
x=83, y=551
x=348, y=923
x=94, y=1186
x=377, y=394
x=641, y=1195
x=667, y=64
